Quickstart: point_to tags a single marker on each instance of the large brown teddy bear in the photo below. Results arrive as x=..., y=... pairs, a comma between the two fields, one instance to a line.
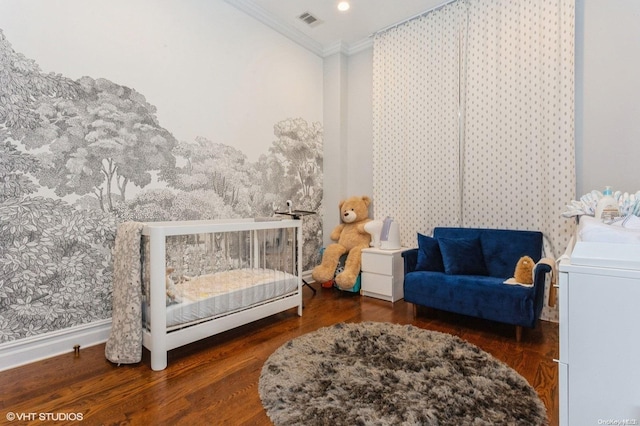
x=350, y=238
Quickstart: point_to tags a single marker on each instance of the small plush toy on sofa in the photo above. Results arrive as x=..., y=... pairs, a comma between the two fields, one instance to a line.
x=350, y=238
x=524, y=270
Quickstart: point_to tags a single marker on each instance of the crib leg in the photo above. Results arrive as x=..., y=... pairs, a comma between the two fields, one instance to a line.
x=158, y=360
x=157, y=279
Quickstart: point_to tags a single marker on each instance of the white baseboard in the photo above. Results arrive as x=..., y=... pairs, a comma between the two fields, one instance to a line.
x=36, y=348
x=306, y=275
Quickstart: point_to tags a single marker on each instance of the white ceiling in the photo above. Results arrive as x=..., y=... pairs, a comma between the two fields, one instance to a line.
x=336, y=31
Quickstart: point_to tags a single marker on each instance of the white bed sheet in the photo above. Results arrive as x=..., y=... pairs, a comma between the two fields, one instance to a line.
x=224, y=292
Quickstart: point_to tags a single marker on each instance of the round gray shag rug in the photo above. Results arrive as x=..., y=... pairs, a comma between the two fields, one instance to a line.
x=375, y=373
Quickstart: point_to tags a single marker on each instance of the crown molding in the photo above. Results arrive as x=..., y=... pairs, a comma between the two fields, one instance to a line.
x=361, y=45
x=297, y=36
x=348, y=49
x=338, y=47
x=255, y=11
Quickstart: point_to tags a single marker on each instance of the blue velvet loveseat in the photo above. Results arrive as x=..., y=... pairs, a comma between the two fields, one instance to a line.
x=463, y=270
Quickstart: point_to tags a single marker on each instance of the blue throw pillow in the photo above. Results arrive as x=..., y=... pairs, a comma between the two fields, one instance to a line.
x=429, y=256
x=462, y=256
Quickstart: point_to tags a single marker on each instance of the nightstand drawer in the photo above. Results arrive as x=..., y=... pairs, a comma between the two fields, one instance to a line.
x=378, y=284
x=377, y=263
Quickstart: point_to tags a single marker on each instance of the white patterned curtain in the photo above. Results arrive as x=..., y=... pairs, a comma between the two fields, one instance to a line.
x=519, y=169
x=415, y=123
x=509, y=161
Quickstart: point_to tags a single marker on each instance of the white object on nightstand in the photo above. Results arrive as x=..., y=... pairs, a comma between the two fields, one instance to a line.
x=374, y=227
x=383, y=274
x=390, y=235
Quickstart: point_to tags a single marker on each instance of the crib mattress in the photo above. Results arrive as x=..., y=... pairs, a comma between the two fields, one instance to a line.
x=224, y=292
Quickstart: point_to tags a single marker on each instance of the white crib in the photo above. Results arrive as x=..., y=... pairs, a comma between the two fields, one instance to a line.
x=238, y=271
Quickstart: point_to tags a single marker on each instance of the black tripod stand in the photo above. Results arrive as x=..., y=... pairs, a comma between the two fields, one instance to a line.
x=298, y=214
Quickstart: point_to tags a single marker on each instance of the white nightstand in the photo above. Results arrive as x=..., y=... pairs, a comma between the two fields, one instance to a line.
x=383, y=274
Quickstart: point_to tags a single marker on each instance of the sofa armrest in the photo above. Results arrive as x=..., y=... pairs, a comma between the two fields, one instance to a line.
x=410, y=260
x=541, y=272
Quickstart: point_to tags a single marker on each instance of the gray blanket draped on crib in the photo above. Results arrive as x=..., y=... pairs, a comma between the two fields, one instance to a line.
x=124, y=345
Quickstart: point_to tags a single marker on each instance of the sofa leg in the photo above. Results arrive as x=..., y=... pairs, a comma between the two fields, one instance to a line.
x=518, y=333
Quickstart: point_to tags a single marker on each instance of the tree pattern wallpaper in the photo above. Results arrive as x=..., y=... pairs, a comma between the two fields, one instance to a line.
x=79, y=156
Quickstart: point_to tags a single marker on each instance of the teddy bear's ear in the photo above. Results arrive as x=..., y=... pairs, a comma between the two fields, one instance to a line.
x=341, y=203
x=366, y=200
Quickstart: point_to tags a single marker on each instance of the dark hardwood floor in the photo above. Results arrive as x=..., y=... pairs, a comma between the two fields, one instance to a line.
x=215, y=381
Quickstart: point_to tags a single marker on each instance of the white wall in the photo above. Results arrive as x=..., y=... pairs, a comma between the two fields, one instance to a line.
x=360, y=125
x=335, y=140
x=607, y=95
x=348, y=149
x=210, y=69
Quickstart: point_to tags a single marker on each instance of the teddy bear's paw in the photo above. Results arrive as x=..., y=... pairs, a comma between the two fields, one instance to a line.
x=346, y=280
x=321, y=274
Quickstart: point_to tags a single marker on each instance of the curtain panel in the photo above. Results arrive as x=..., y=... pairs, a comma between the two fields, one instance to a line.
x=416, y=176
x=478, y=132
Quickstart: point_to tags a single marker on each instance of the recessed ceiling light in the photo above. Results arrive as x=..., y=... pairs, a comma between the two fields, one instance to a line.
x=343, y=6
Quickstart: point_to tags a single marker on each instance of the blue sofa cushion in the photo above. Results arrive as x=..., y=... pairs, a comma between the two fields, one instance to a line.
x=479, y=296
x=501, y=248
x=502, y=252
x=429, y=256
x=462, y=256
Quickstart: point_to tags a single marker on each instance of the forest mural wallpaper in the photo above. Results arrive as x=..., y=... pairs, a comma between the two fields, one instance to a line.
x=80, y=155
